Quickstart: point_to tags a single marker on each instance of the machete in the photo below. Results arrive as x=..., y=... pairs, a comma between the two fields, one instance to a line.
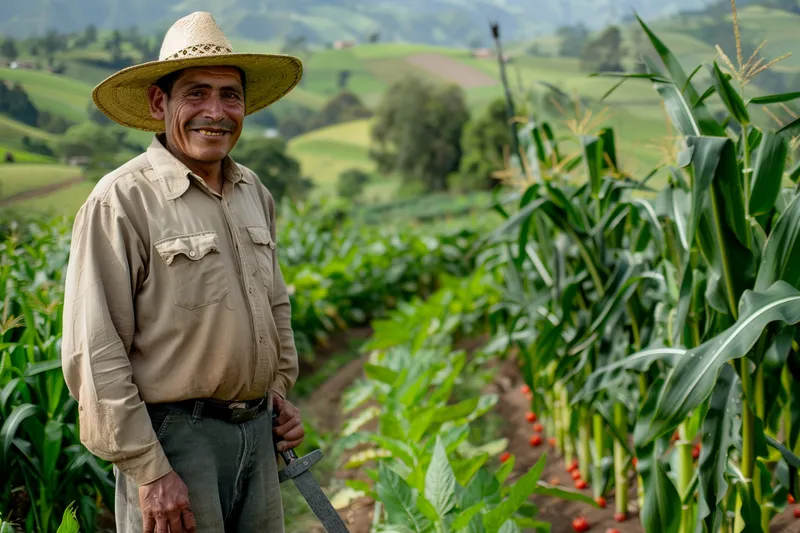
x=298, y=470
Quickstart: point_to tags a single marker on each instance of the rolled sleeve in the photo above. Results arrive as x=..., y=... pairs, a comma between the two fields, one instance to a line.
x=106, y=264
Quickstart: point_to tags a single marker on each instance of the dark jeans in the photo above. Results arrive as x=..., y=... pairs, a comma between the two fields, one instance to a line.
x=230, y=469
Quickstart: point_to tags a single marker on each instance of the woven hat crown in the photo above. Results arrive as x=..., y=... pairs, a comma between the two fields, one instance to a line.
x=194, y=35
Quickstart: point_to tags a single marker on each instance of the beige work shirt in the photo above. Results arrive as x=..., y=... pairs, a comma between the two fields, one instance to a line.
x=172, y=292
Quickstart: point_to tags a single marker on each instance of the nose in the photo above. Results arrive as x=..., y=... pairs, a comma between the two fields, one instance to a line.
x=214, y=109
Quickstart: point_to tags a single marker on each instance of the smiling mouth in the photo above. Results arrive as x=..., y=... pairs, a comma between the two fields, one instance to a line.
x=211, y=133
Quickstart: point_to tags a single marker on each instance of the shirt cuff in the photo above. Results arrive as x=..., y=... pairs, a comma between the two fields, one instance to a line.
x=146, y=468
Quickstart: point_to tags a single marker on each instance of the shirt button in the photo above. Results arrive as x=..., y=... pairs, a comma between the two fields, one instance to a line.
x=192, y=253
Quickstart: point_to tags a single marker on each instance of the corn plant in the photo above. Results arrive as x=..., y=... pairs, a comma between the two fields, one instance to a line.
x=682, y=308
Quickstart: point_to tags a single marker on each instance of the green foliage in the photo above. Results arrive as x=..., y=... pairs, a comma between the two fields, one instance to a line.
x=604, y=53
x=486, y=142
x=417, y=131
x=351, y=183
x=15, y=103
x=339, y=275
x=276, y=169
x=343, y=107
x=425, y=396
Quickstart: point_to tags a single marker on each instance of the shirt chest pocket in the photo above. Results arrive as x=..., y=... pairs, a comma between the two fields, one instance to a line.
x=264, y=248
x=195, y=269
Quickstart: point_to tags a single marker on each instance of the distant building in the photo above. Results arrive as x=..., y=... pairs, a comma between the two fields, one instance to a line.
x=341, y=45
x=486, y=53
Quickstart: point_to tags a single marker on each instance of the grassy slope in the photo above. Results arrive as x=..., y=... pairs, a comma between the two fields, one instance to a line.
x=57, y=94
x=17, y=178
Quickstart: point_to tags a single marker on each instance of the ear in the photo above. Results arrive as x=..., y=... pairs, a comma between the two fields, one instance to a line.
x=158, y=102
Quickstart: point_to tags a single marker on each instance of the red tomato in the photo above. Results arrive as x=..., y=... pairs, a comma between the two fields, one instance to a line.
x=620, y=517
x=580, y=484
x=526, y=389
x=536, y=440
x=601, y=501
x=580, y=524
x=530, y=417
x=538, y=427
x=576, y=474
x=505, y=457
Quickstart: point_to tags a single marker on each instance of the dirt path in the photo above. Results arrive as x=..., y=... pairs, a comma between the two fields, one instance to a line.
x=325, y=403
x=39, y=191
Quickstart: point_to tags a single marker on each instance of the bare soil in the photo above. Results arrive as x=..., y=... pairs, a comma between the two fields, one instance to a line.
x=452, y=70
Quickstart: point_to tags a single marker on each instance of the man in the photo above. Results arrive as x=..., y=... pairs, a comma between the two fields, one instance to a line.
x=177, y=339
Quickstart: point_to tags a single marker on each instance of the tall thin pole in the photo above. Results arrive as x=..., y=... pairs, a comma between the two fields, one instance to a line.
x=509, y=102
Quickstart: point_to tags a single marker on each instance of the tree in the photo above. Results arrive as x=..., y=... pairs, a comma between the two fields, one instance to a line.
x=277, y=170
x=573, y=39
x=9, y=49
x=417, y=131
x=484, y=141
x=351, y=183
x=343, y=107
x=604, y=53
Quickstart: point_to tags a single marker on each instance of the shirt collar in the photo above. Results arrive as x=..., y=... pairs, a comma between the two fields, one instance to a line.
x=173, y=175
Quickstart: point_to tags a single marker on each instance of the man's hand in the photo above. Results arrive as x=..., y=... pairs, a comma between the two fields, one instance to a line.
x=288, y=427
x=165, y=506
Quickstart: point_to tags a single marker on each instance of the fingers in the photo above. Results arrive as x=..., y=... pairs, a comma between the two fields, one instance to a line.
x=162, y=526
x=189, y=523
x=149, y=524
x=175, y=522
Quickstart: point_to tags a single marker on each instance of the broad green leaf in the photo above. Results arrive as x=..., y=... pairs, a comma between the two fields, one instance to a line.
x=69, y=521
x=719, y=434
x=593, y=161
x=466, y=468
x=400, y=501
x=464, y=517
x=774, y=98
x=609, y=375
x=505, y=469
x=456, y=411
x=520, y=491
x=768, y=173
x=545, y=489
x=440, y=481
x=694, y=376
x=729, y=96
x=781, y=258
x=791, y=129
x=510, y=527
x=482, y=488
x=662, y=504
x=8, y=431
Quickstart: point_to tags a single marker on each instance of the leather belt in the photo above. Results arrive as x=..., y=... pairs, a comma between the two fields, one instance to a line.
x=235, y=412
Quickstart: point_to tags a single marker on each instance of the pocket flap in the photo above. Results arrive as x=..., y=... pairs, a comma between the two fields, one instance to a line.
x=194, y=246
x=260, y=235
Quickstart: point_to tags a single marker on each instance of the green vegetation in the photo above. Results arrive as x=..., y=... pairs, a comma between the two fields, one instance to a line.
x=635, y=263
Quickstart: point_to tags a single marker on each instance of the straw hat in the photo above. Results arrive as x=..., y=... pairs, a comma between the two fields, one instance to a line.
x=194, y=40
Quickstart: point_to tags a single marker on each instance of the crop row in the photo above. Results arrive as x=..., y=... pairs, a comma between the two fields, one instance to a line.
x=339, y=275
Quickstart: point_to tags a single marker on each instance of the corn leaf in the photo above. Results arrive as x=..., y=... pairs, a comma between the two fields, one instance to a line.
x=774, y=98
x=720, y=429
x=729, y=96
x=694, y=376
x=768, y=173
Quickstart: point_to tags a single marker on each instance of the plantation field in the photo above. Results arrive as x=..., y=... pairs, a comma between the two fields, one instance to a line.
x=12, y=131
x=56, y=94
x=16, y=179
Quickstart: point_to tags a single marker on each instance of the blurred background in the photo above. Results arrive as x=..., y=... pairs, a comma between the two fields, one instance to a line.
x=407, y=165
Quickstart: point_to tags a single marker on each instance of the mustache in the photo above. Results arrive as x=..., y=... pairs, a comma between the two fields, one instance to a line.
x=224, y=124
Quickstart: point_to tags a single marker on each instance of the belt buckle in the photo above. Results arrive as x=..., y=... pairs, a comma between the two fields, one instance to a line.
x=240, y=412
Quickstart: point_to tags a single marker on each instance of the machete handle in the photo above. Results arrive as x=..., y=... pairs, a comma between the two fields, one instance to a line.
x=288, y=456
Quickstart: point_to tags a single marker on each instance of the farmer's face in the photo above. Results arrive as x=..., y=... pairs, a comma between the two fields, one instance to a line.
x=204, y=113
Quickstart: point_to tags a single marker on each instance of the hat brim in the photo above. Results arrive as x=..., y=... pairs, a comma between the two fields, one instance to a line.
x=123, y=96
